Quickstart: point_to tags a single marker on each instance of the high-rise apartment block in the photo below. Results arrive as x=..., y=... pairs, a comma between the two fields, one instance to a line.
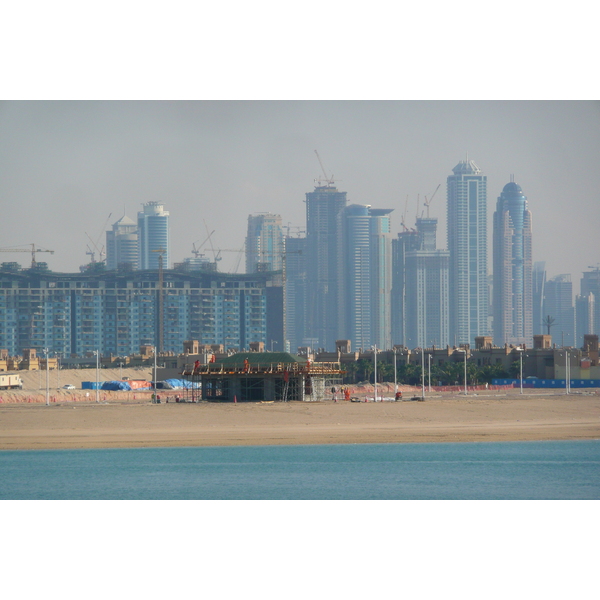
x=264, y=243
x=467, y=244
x=364, y=276
x=295, y=292
x=558, y=305
x=512, y=289
x=322, y=208
x=406, y=241
x=122, y=245
x=537, y=293
x=153, y=236
x=117, y=312
x=426, y=290
x=590, y=285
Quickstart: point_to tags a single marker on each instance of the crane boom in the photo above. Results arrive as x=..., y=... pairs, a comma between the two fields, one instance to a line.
x=33, y=251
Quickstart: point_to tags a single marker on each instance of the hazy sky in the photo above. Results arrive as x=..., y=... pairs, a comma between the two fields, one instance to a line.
x=66, y=165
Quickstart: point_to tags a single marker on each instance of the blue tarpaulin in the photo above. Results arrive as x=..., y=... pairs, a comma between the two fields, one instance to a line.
x=120, y=386
x=182, y=384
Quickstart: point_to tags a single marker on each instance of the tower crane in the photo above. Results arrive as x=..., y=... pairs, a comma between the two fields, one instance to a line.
x=328, y=180
x=33, y=251
x=196, y=251
x=428, y=202
x=101, y=251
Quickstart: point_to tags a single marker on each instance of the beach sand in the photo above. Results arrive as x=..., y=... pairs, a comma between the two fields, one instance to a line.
x=118, y=423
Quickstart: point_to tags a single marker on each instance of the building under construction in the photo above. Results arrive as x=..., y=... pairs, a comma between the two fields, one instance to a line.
x=262, y=376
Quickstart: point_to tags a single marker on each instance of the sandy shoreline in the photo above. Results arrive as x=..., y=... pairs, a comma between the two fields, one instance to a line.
x=118, y=424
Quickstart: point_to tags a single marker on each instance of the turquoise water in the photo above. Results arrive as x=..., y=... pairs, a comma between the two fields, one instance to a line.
x=469, y=471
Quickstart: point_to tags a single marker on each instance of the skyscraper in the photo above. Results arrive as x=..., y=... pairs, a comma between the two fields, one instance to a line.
x=590, y=284
x=322, y=208
x=538, y=286
x=153, y=235
x=122, y=245
x=467, y=244
x=427, y=318
x=513, y=301
x=406, y=241
x=264, y=243
x=558, y=305
x=364, y=276
x=295, y=292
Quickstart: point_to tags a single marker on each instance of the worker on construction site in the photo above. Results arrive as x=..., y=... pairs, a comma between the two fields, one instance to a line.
x=246, y=365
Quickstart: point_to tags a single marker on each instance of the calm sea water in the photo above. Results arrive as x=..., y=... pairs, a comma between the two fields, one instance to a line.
x=469, y=471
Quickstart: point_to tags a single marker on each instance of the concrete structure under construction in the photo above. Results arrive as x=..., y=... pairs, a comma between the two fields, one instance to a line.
x=263, y=377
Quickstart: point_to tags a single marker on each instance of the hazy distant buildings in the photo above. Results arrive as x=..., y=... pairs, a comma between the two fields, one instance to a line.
x=558, y=305
x=405, y=242
x=585, y=309
x=122, y=245
x=512, y=289
x=264, y=243
x=467, y=244
x=153, y=236
x=590, y=284
x=538, y=280
x=426, y=290
x=322, y=208
x=295, y=292
x=364, y=276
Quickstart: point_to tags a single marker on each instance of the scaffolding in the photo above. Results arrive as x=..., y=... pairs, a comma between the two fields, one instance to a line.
x=252, y=377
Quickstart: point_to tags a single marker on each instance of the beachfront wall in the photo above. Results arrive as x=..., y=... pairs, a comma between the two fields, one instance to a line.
x=549, y=383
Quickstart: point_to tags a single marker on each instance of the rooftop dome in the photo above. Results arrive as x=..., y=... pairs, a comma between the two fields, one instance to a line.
x=512, y=188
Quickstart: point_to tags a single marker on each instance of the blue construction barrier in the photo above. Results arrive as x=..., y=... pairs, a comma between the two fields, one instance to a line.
x=548, y=383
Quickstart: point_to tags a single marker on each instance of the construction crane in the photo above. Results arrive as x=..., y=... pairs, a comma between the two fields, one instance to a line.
x=328, y=180
x=428, y=202
x=196, y=251
x=101, y=251
x=33, y=251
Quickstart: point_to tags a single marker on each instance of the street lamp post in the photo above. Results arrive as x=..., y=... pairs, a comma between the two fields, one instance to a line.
x=520, y=351
x=155, y=352
x=395, y=374
x=429, y=371
x=465, y=352
x=97, y=353
x=47, y=378
x=567, y=373
x=422, y=373
x=375, y=355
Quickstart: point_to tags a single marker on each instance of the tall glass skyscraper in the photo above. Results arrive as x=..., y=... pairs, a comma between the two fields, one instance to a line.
x=467, y=244
x=122, y=245
x=153, y=235
x=322, y=208
x=426, y=290
x=539, y=285
x=364, y=276
x=513, y=301
x=264, y=243
x=558, y=305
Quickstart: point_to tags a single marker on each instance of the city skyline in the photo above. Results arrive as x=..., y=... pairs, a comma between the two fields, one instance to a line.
x=214, y=163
